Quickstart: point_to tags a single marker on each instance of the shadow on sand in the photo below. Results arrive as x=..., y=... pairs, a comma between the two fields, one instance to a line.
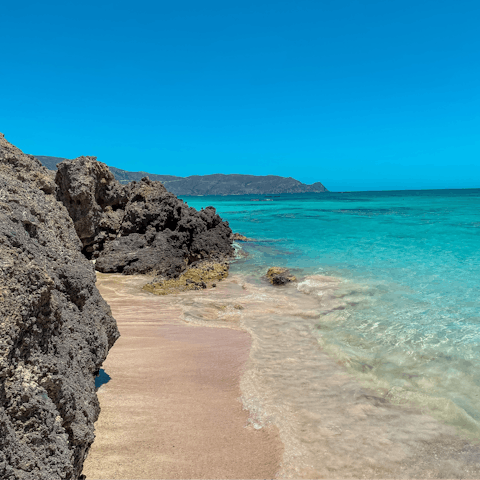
x=101, y=379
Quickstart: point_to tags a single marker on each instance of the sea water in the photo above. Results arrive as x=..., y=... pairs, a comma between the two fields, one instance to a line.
x=389, y=287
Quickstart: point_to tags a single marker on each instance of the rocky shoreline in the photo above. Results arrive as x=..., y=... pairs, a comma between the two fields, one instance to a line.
x=139, y=227
x=56, y=329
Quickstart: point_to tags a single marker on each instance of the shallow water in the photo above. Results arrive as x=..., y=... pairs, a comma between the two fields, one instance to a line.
x=402, y=315
x=413, y=321
x=331, y=424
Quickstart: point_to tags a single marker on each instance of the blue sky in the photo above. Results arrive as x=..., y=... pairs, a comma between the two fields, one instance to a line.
x=360, y=95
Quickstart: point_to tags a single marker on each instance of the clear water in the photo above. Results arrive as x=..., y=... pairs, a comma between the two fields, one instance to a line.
x=409, y=270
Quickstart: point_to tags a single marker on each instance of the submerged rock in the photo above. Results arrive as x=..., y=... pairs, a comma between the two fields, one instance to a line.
x=139, y=227
x=240, y=238
x=279, y=276
x=55, y=329
x=195, y=278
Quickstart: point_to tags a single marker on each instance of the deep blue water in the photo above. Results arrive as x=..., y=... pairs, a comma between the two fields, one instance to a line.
x=410, y=260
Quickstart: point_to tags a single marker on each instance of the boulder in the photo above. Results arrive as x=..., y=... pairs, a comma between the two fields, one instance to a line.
x=55, y=329
x=140, y=227
x=279, y=276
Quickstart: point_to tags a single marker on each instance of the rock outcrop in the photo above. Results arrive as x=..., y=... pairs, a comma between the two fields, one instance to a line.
x=279, y=276
x=140, y=227
x=55, y=329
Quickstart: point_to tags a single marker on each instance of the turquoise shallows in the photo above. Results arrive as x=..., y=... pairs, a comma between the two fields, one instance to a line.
x=410, y=261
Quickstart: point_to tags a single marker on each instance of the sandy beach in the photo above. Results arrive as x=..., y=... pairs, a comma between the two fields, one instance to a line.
x=232, y=382
x=172, y=406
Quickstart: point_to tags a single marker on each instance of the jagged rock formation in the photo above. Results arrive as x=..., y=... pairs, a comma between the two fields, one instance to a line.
x=55, y=329
x=217, y=184
x=139, y=227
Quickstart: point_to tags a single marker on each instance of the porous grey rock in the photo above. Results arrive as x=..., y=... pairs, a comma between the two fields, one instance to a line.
x=140, y=227
x=55, y=329
x=89, y=191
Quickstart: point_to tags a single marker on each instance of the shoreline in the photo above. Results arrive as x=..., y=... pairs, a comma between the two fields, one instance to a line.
x=311, y=417
x=172, y=408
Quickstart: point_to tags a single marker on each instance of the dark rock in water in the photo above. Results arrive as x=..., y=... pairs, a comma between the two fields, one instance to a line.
x=279, y=276
x=55, y=329
x=139, y=227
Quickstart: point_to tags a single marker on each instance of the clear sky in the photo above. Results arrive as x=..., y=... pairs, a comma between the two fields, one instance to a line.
x=360, y=95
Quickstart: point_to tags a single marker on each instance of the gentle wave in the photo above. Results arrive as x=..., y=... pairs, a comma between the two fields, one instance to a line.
x=337, y=418
x=403, y=313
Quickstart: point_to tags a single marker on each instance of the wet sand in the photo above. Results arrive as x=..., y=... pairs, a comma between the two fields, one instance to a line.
x=235, y=382
x=172, y=408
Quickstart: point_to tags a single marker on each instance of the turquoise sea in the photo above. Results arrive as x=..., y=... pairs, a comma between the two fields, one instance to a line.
x=409, y=263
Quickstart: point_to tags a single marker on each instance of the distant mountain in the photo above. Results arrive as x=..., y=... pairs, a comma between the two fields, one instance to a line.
x=234, y=184
x=49, y=162
x=216, y=184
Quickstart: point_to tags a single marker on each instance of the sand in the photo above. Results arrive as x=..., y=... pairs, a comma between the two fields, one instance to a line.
x=185, y=368
x=172, y=408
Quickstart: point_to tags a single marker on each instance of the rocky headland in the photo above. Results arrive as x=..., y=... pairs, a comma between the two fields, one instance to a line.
x=55, y=328
x=216, y=184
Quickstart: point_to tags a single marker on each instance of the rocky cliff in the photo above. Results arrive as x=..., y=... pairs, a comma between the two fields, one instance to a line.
x=139, y=227
x=55, y=329
x=217, y=184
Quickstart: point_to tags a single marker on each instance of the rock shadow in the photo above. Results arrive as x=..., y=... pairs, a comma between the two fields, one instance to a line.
x=101, y=379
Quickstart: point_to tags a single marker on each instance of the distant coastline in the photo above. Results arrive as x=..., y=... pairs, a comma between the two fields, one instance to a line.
x=216, y=184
